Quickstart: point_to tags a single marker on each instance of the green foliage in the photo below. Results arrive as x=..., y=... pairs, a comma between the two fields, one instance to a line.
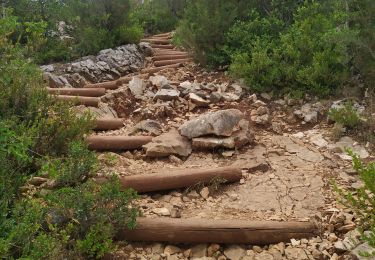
x=38, y=135
x=346, y=116
x=157, y=16
x=362, y=201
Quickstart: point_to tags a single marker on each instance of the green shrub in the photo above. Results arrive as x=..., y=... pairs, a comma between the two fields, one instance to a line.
x=362, y=201
x=346, y=116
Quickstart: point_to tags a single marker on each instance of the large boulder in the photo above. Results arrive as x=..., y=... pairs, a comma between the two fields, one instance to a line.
x=220, y=123
x=171, y=143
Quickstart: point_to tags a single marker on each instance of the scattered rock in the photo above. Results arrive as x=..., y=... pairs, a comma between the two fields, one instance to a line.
x=171, y=250
x=158, y=81
x=234, y=252
x=221, y=123
x=198, y=251
x=205, y=192
x=146, y=49
x=167, y=94
x=161, y=211
x=150, y=126
x=171, y=143
x=357, y=253
x=137, y=86
x=175, y=213
x=293, y=253
x=197, y=100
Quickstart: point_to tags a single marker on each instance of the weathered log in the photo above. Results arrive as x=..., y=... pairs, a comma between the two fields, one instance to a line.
x=159, y=46
x=114, y=84
x=86, y=101
x=178, y=179
x=153, y=70
x=170, y=57
x=156, y=54
x=168, y=34
x=157, y=41
x=109, y=123
x=83, y=92
x=217, y=231
x=170, y=62
x=115, y=143
x=123, y=80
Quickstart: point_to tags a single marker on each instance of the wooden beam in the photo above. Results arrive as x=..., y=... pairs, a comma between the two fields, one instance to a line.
x=168, y=180
x=117, y=143
x=170, y=62
x=114, y=84
x=217, y=231
x=109, y=124
x=86, y=101
x=153, y=70
x=170, y=57
x=83, y=92
x=156, y=41
x=159, y=46
x=123, y=80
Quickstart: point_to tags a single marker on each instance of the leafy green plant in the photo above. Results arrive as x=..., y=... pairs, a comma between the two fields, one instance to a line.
x=362, y=201
x=346, y=116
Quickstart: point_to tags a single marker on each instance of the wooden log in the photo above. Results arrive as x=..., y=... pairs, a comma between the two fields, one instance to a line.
x=170, y=57
x=156, y=41
x=83, y=92
x=153, y=70
x=170, y=62
x=116, y=143
x=159, y=46
x=123, y=80
x=157, y=54
x=86, y=101
x=168, y=34
x=217, y=231
x=109, y=123
x=178, y=179
x=114, y=84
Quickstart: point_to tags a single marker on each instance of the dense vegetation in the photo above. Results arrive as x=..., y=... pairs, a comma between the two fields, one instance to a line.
x=67, y=216
x=284, y=45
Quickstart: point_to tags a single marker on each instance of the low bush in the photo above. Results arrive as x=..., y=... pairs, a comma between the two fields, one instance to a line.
x=347, y=116
x=72, y=217
x=362, y=200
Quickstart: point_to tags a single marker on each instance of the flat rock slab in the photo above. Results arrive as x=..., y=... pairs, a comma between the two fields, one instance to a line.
x=220, y=123
x=171, y=143
x=167, y=94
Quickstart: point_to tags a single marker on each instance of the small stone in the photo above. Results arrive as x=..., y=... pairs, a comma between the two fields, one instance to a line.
x=156, y=248
x=199, y=250
x=137, y=86
x=175, y=159
x=197, y=100
x=234, y=252
x=295, y=242
x=257, y=249
x=205, y=192
x=332, y=237
x=167, y=94
x=227, y=154
x=175, y=213
x=266, y=256
x=266, y=96
x=340, y=247
x=162, y=211
x=37, y=181
x=293, y=253
x=171, y=250
x=212, y=249
x=158, y=81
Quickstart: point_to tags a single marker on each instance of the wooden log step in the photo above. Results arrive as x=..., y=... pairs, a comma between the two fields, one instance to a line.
x=159, y=46
x=217, y=231
x=157, y=41
x=117, y=143
x=103, y=124
x=170, y=62
x=112, y=85
x=76, y=100
x=169, y=180
x=163, y=34
x=170, y=57
x=154, y=70
x=123, y=80
x=83, y=92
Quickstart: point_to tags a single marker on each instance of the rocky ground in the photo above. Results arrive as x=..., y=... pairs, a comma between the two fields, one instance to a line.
x=284, y=147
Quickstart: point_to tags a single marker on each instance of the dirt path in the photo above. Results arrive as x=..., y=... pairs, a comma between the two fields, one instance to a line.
x=287, y=167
